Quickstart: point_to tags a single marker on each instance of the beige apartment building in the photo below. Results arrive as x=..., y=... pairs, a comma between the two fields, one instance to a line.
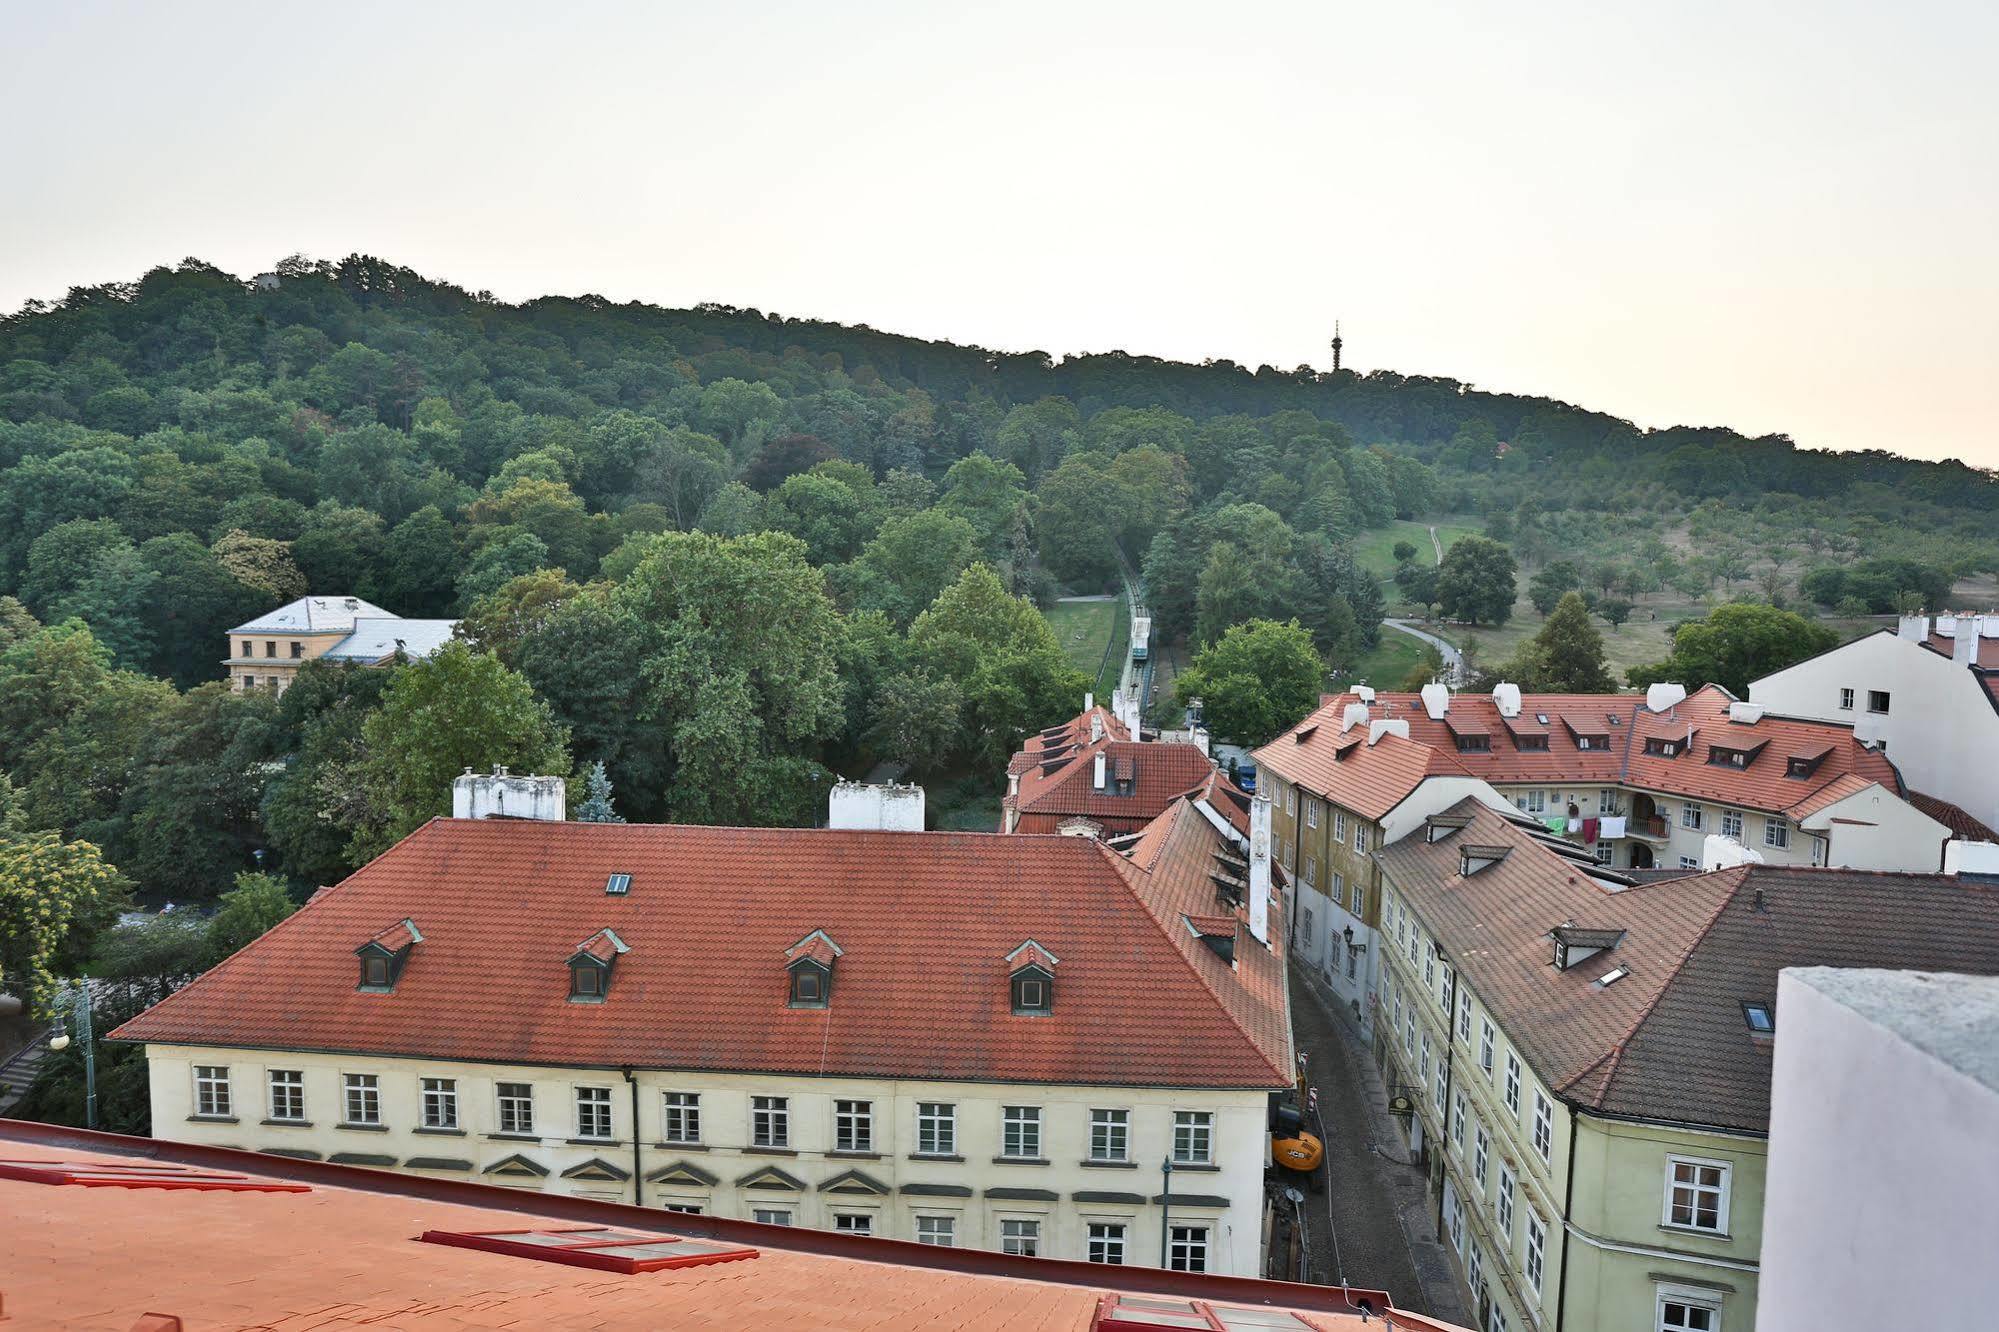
x=266, y=653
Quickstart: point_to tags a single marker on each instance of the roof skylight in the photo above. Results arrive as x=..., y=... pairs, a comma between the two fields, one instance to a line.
x=594, y=1247
x=1759, y=1019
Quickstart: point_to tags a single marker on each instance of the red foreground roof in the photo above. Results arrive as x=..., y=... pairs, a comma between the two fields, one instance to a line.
x=1368, y=778
x=923, y=923
x=348, y=1252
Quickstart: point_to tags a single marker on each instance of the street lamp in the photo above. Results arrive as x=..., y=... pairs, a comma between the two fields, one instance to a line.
x=79, y=1002
x=1165, y=1210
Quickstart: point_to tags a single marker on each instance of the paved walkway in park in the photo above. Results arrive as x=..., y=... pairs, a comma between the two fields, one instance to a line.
x=1454, y=660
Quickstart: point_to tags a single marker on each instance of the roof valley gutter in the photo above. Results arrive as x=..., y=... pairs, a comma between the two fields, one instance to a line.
x=1568, y=1229
x=638, y=1169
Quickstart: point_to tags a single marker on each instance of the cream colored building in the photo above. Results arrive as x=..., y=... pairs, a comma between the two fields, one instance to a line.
x=266, y=653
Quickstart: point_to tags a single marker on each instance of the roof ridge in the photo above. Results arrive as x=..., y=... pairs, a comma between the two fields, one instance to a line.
x=1125, y=868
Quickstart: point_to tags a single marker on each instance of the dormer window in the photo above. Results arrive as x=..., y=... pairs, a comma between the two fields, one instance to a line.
x=1031, y=980
x=1532, y=744
x=809, y=967
x=591, y=965
x=383, y=956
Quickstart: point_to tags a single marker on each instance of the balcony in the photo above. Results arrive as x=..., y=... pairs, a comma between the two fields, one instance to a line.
x=1651, y=830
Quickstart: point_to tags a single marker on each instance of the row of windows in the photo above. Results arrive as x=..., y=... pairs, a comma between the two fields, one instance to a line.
x=1362, y=834
x=1106, y=1241
x=1877, y=700
x=271, y=649
x=680, y=1116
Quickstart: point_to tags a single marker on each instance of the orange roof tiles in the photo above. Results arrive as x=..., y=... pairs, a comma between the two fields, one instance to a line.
x=709, y=917
x=1368, y=778
x=1617, y=727
x=1946, y=645
x=347, y=1255
x=1152, y=775
x=1960, y=821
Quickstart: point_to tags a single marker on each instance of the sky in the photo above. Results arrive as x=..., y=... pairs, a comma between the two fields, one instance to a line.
x=1782, y=218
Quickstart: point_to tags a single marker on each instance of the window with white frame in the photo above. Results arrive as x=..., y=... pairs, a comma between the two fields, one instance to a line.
x=1496, y=1322
x=211, y=1091
x=1353, y=964
x=1464, y=1014
x=1415, y=941
x=1338, y=884
x=941, y=1231
x=854, y=1223
x=1020, y=1237
x=1455, y=1223
x=1442, y=1089
x=1409, y=1036
x=1356, y=897
x=1697, y=1194
x=287, y=1094
x=1731, y=823
x=1311, y=812
x=1534, y=802
x=1020, y=1132
x=363, y=1099
x=1683, y=1311
x=1691, y=816
x=1458, y=1118
x=1513, y=1084
x=1544, y=1126
x=1689, y=863
x=1187, y=1250
x=1846, y=700
x=770, y=1121
x=1537, y=1251
x=936, y=1128
x=1485, y=1044
x=1305, y=919
x=1110, y=1134
x=1502, y=1203
x=1606, y=800
x=593, y=1112
x=1424, y=1062
x=1429, y=971
x=1339, y=827
x=440, y=1103
x=680, y=1117
x=771, y=1216
x=1310, y=872
x=1360, y=839
x=516, y=1107
x=1193, y=1136
x=1776, y=832
x=1290, y=799
x=853, y=1126
x=1481, y=1152
x=1106, y=1243
x=1604, y=853
x=1475, y=1273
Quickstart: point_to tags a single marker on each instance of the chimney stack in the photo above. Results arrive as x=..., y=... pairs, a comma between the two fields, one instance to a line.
x=1089, y=702
x=1259, y=867
x=1913, y=628
x=501, y=795
x=1964, y=647
x=1096, y=726
x=1097, y=771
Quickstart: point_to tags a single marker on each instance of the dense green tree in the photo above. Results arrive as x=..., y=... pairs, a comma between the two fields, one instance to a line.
x=1566, y=656
x=1004, y=659
x=989, y=495
x=192, y=806
x=915, y=721
x=579, y=649
x=1255, y=680
x=500, y=562
x=831, y=516
x=246, y=911
x=1733, y=645
x=420, y=565
x=262, y=565
x=312, y=801
x=1475, y=581
x=1547, y=587
x=194, y=601
x=1075, y=523
x=48, y=887
x=1405, y=551
x=911, y=562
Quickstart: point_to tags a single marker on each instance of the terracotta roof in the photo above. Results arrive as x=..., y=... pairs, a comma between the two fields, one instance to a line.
x=1157, y=774
x=709, y=916
x=1946, y=645
x=345, y=1254
x=1367, y=778
x=1834, y=791
x=1761, y=785
x=1669, y=1040
x=1961, y=823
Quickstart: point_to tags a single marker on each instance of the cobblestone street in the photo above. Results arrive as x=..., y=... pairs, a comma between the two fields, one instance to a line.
x=1382, y=1229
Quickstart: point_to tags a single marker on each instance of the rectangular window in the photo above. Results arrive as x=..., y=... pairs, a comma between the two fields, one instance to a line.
x=1690, y=817
x=1603, y=853
x=1544, y=1126
x=363, y=1099
x=1776, y=832
x=1535, y=802
x=1606, y=800
x=770, y=1121
x=936, y=1128
x=1107, y=1243
x=1679, y=1314
x=298, y=650
x=1846, y=700
x=270, y=648
x=1464, y=1015
x=1455, y=1223
x=516, y=1107
x=593, y=1112
x=688, y=1209
x=1502, y=1204
x=1110, y=1131
x=1409, y=1036
x=939, y=1230
x=1353, y=964
x=211, y=1091
x=1458, y=1120
x=1290, y=799
x=1877, y=700
x=1689, y=863
x=1731, y=823
x=1475, y=1273
x=854, y=1223
x=1697, y=1194
x=1339, y=827
x=680, y=1116
x=772, y=1216
x=1537, y=1245
x=1358, y=896
x=1429, y=970
x=853, y=1126
x=1193, y=1136
x=1442, y=1084
x=1481, y=1152
x=1485, y=1044
x=440, y=1103
x=287, y=1094
x=1311, y=812
x=1188, y=1249
x=1424, y=1062
x=1020, y=1238
x=246, y=649
x=1311, y=871
x=1496, y=1323
x=1360, y=839
x=1513, y=1085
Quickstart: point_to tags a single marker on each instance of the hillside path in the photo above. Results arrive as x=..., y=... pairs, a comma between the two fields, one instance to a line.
x=1454, y=660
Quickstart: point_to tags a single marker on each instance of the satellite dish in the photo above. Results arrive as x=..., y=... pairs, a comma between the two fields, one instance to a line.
x=1293, y=1196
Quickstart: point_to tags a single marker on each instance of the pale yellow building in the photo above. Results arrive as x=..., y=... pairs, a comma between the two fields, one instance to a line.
x=266, y=653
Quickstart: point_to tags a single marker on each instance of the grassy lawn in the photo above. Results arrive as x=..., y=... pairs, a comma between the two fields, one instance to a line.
x=966, y=804
x=1085, y=629
x=1388, y=664
x=1375, y=548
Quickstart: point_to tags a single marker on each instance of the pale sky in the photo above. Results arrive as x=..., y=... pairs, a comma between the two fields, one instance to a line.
x=1777, y=217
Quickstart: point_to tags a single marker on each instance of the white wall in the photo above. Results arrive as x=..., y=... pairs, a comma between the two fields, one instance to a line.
x=1884, y=1156
x=1875, y=829
x=1941, y=729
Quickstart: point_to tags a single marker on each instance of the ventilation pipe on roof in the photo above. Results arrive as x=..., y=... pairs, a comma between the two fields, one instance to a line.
x=501, y=795
x=1355, y=714
x=1664, y=697
x=1436, y=700
x=1913, y=628
x=1506, y=696
x=1259, y=867
x=1097, y=771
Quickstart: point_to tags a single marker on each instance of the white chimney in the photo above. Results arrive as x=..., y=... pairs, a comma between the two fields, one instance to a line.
x=1365, y=693
x=1259, y=867
x=888, y=806
x=1988, y=626
x=1961, y=857
x=1913, y=628
x=1664, y=697
x=1354, y=715
x=1089, y=702
x=1096, y=726
x=1964, y=647
x=1746, y=713
x=501, y=795
x=1097, y=771
x=1506, y=696
x=1392, y=726
x=1436, y=700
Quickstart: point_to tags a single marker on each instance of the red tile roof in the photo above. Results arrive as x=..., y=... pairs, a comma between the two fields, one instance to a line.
x=1960, y=822
x=1368, y=778
x=1156, y=773
x=345, y=1255
x=708, y=919
x=1946, y=645
x=1628, y=724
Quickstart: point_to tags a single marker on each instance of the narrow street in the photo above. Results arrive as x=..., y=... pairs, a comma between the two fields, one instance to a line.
x=1362, y=1226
